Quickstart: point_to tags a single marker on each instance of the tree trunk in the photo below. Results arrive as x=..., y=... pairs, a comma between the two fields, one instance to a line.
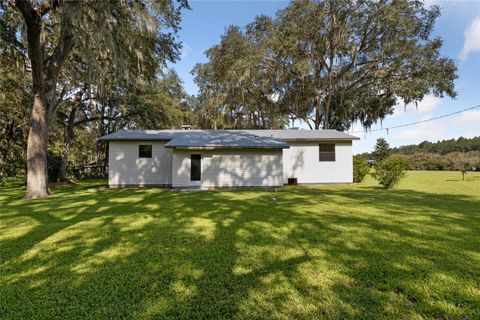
x=103, y=167
x=318, y=117
x=62, y=171
x=44, y=81
x=326, y=118
x=37, y=178
x=66, y=144
x=69, y=133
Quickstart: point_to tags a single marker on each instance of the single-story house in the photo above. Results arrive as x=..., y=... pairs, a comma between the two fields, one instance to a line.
x=228, y=158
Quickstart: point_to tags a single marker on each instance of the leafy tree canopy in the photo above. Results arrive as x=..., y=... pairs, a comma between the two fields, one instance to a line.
x=329, y=63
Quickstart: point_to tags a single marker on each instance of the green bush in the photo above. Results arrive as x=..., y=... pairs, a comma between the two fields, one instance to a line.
x=360, y=168
x=389, y=172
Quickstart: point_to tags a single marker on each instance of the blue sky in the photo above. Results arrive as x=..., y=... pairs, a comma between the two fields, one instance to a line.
x=459, y=27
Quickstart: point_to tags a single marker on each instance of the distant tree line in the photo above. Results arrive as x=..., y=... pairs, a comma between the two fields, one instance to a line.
x=454, y=161
x=453, y=154
x=442, y=147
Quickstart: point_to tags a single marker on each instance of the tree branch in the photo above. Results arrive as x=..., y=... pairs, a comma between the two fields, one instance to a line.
x=64, y=45
x=26, y=9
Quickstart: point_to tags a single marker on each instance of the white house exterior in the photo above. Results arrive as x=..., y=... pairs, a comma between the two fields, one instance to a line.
x=228, y=158
x=126, y=168
x=301, y=161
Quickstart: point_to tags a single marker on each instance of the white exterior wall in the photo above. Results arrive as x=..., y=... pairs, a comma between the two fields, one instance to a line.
x=230, y=168
x=181, y=168
x=301, y=161
x=126, y=168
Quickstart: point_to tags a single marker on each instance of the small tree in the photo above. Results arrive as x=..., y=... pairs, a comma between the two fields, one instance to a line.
x=360, y=168
x=382, y=151
x=463, y=165
x=389, y=172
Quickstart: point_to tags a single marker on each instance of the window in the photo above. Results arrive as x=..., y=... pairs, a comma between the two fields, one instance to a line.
x=326, y=152
x=145, y=151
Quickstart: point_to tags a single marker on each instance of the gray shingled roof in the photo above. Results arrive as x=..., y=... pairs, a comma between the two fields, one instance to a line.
x=139, y=135
x=223, y=139
x=286, y=135
x=303, y=135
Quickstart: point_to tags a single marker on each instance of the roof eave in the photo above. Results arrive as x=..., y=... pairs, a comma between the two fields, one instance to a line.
x=226, y=147
x=320, y=139
x=134, y=139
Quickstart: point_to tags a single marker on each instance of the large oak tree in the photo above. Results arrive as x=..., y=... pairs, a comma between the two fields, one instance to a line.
x=332, y=62
x=344, y=60
x=99, y=31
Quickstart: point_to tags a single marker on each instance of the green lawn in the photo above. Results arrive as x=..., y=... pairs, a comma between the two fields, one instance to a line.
x=349, y=251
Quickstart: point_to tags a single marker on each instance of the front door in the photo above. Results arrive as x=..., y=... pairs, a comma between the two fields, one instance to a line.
x=195, y=169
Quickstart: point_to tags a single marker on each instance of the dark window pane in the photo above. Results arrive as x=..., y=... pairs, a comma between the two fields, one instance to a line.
x=326, y=152
x=145, y=151
x=327, y=156
x=327, y=147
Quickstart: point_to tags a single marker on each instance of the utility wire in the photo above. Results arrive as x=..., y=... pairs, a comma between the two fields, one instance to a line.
x=418, y=122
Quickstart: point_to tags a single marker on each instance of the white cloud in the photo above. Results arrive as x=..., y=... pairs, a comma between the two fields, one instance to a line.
x=468, y=120
x=472, y=39
x=466, y=124
x=420, y=132
x=427, y=104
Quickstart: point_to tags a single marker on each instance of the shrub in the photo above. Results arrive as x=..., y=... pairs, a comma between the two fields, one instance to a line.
x=360, y=168
x=389, y=172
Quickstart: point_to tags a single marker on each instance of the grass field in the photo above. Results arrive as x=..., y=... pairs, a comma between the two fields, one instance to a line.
x=349, y=251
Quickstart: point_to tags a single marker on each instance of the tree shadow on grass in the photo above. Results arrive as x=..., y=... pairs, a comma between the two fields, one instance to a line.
x=302, y=252
x=418, y=257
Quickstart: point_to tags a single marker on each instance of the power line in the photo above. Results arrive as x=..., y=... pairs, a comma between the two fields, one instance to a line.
x=418, y=122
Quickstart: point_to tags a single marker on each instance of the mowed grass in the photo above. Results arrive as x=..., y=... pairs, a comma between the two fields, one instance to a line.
x=347, y=251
